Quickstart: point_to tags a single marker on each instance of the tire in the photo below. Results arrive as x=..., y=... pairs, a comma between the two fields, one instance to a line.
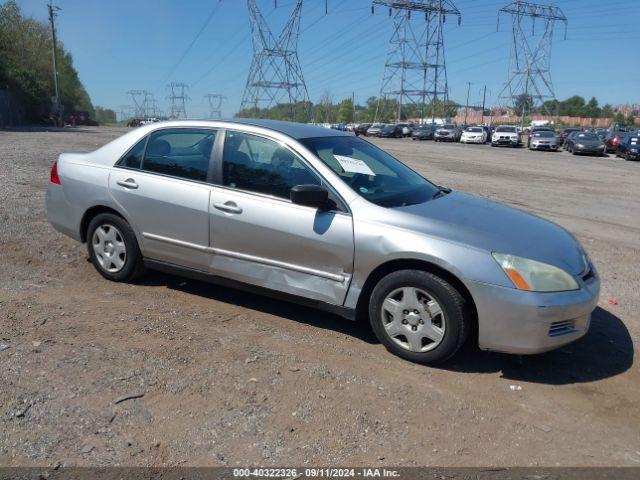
x=449, y=328
x=113, y=248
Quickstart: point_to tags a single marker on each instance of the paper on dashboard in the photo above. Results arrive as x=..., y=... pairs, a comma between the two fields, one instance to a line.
x=353, y=165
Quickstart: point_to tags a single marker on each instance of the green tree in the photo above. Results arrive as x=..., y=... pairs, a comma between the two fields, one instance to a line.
x=25, y=65
x=607, y=111
x=592, y=110
x=523, y=104
x=105, y=115
x=573, y=106
x=631, y=120
x=345, y=111
x=619, y=117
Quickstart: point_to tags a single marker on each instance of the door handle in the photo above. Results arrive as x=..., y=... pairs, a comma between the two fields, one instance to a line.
x=128, y=183
x=229, y=207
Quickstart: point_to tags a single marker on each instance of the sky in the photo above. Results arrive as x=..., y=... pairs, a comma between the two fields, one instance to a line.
x=120, y=45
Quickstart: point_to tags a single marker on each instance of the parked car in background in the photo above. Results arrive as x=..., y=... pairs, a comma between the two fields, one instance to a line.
x=506, y=135
x=565, y=132
x=361, y=129
x=585, y=143
x=447, y=133
x=629, y=147
x=374, y=129
x=601, y=133
x=342, y=225
x=391, y=131
x=488, y=130
x=613, y=140
x=423, y=132
x=406, y=129
x=543, y=140
x=535, y=129
x=473, y=135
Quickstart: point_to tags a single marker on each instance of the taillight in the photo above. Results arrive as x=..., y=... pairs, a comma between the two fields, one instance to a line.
x=54, y=173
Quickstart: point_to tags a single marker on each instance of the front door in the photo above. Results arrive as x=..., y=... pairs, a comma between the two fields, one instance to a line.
x=259, y=237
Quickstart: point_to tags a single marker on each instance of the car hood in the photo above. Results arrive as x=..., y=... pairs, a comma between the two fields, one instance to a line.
x=490, y=226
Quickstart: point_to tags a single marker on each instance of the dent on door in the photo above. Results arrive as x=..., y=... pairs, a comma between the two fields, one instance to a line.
x=281, y=246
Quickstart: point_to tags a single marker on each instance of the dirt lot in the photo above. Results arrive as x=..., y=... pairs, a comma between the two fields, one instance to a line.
x=233, y=379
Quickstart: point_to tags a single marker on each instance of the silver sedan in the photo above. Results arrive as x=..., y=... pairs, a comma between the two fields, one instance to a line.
x=322, y=217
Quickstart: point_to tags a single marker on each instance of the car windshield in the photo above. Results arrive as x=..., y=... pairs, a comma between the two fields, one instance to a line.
x=588, y=136
x=474, y=129
x=389, y=128
x=506, y=129
x=544, y=134
x=448, y=127
x=371, y=172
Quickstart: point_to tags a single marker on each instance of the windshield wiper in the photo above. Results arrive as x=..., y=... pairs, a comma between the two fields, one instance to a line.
x=441, y=192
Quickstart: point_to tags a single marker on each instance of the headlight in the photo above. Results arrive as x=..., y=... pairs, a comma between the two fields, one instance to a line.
x=634, y=150
x=579, y=145
x=534, y=276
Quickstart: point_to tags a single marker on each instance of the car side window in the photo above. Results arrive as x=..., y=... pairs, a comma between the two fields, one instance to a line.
x=180, y=152
x=260, y=165
x=133, y=158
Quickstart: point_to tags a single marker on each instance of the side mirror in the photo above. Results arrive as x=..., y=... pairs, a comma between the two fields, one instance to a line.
x=310, y=196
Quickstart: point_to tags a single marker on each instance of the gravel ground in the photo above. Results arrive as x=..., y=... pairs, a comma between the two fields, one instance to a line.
x=225, y=378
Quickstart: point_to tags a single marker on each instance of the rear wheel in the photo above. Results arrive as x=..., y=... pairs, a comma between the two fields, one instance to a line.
x=418, y=316
x=113, y=248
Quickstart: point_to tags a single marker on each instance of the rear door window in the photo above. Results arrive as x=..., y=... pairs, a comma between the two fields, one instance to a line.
x=180, y=152
x=133, y=158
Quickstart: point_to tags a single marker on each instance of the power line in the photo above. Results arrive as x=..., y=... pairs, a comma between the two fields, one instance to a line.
x=195, y=39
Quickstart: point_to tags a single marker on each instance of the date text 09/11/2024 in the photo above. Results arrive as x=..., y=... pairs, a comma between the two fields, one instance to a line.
x=315, y=473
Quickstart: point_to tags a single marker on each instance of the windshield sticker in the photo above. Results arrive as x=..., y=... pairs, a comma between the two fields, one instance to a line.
x=364, y=190
x=353, y=165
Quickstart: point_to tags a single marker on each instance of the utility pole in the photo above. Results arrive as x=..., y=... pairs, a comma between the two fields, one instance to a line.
x=466, y=108
x=54, y=47
x=484, y=100
x=353, y=104
x=415, y=68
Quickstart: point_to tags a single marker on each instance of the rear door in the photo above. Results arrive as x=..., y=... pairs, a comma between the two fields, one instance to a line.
x=161, y=184
x=259, y=237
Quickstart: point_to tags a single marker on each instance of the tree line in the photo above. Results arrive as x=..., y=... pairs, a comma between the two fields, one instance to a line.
x=574, y=106
x=330, y=110
x=26, y=69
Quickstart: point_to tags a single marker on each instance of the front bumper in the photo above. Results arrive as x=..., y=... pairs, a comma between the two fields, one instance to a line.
x=521, y=322
x=589, y=150
x=543, y=146
x=512, y=142
x=471, y=140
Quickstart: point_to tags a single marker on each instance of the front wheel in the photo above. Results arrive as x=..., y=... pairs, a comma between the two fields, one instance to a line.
x=113, y=248
x=418, y=316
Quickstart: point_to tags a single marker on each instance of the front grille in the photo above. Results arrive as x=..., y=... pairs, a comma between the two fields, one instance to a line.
x=561, y=328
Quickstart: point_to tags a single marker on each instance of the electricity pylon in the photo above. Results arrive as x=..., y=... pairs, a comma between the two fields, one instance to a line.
x=178, y=99
x=415, y=71
x=142, y=102
x=215, y=104
x=275, y=76
x=529, y=78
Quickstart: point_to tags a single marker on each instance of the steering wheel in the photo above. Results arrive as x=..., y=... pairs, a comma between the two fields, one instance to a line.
x=358, y=179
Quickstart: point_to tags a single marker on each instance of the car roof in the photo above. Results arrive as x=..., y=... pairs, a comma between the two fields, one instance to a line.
x=292, y=129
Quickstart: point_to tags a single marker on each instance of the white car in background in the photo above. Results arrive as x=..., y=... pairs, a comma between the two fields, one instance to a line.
x=506, y=135
x=474, y=135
